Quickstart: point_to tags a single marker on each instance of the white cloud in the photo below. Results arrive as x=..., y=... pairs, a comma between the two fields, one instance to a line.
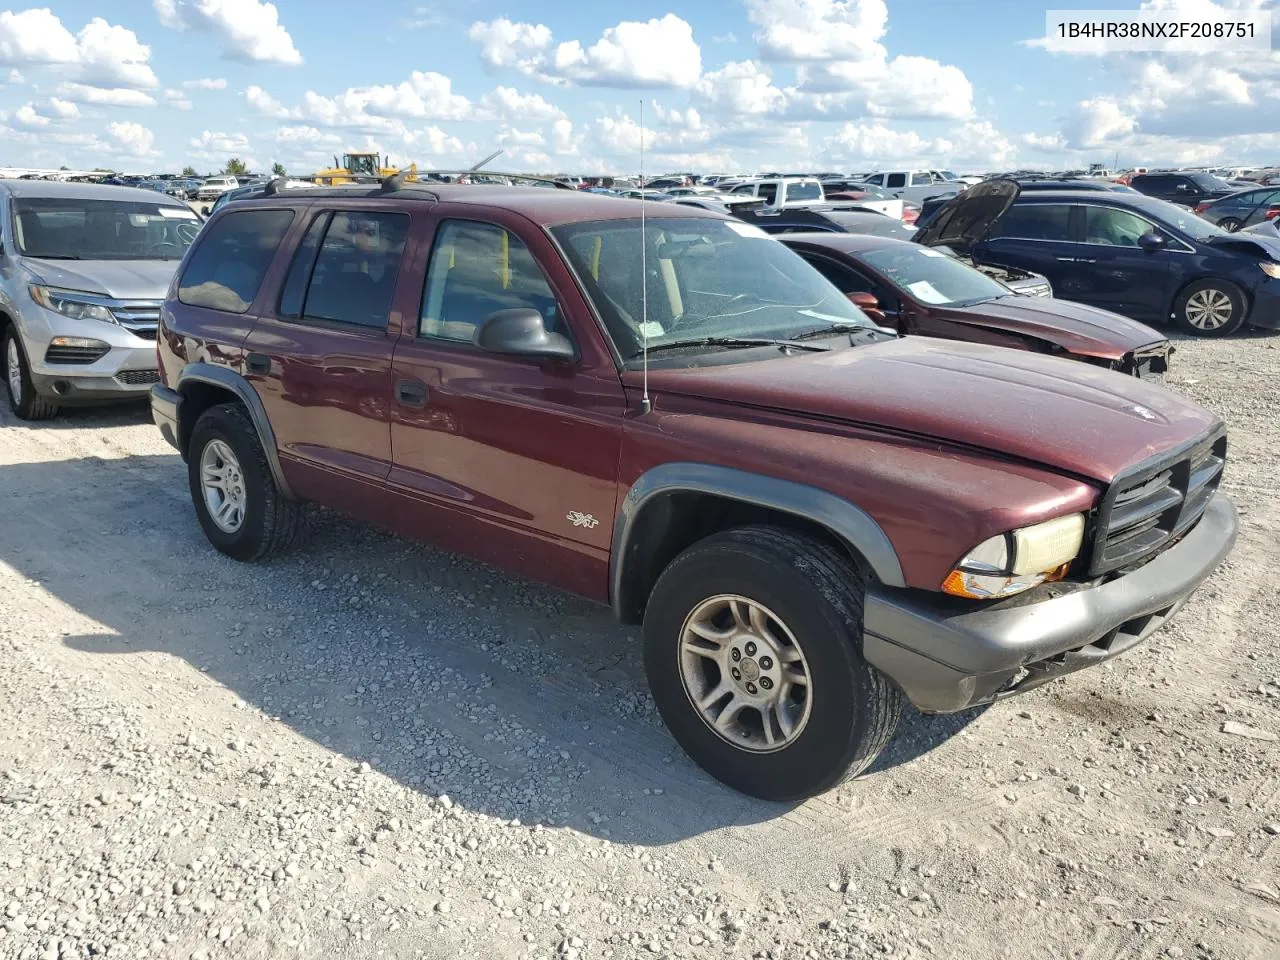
x=805, y=31
x=507, y=103
x=904, y=87
x=250, y=31
x=27, y=118
x=216, y=142
x=101, y=54
x=16, y=77
x=32, y=116
x=1099, y=122
x=112, y=56
x=62, y=109
x=564, y=142
x=267, y=105
x=134, y=139
x=205, y=83
x=37, y=36
x=742, y=88
x=511, y=137
x=876, y=142
x=177, y=99
x=655, y=53
x=309, y=136
x=383, y=109
x=105, y=96
x=506, y=44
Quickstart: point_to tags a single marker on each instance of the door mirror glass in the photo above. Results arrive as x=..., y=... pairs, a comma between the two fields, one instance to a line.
x=522, y=332
x=868, y=304
x=1151, y=241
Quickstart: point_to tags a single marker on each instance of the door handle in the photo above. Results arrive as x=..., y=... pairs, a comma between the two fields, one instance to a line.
x=258, y=363
x=1065, y=259
x=411, y=393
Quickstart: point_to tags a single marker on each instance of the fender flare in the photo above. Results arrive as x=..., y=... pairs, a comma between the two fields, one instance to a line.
x=227, y=379
x=849, y=522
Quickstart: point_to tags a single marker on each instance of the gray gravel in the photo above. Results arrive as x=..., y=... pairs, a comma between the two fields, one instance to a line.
x=369, y=748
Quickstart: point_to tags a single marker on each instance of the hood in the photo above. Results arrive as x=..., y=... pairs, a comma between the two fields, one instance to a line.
x=965, y=219
x=1269, y=229
x=1076, y=328
x=1059, y=413
x=119, y=279
x=1256, y=244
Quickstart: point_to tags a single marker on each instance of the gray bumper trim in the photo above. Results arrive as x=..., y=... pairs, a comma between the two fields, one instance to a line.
x=164, y=411
x=947, y=658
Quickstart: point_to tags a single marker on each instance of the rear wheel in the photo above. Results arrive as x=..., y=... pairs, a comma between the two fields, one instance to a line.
x=1210, y=308
x=26, y=403
x=753, y=652
x=240, y=508
x=1230, y=224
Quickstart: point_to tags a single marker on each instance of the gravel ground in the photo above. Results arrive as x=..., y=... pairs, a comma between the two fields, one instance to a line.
x=369, y=748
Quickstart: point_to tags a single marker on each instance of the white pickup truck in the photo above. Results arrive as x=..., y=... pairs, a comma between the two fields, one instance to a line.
x=790, y=193
x=914, y=186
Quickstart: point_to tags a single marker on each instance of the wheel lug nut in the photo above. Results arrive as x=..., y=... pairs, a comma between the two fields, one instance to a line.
x=736, y=654
x=751, y=649
x=737, y=674
x=766, y=683
x=766, y=663
x=751, y=688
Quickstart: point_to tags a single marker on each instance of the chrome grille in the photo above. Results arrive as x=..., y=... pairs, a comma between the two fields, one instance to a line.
x=1155, y=504
x=139, y=317
x=138, y=378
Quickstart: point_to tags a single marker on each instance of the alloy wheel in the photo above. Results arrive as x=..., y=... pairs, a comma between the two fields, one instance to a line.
x=222, y=482
x=1208, y=309
x=744, y=673
x=13, y=370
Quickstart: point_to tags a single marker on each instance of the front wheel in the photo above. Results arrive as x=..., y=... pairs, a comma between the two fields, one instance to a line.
x=1230, y=224
x=1210, y=308
x=752, y=647
x=24, y=400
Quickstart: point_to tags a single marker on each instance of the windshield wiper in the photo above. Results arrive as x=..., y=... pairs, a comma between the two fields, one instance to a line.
x=732, y=342
x=828, y=331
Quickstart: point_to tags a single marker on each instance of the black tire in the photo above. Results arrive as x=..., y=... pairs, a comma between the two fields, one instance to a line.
x=27, y=405
x=1230, y=224
x=1192, y=292
x=271, y=521
x=817, y=593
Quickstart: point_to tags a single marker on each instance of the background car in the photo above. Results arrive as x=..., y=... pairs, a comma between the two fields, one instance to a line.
x=1185, y=189
x=1242, y=209
x=1134, y=255
x=920, y=291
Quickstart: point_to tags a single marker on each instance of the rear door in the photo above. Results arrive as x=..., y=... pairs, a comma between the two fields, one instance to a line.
x=512, y=460
x=320, y=357
x=1036, y=237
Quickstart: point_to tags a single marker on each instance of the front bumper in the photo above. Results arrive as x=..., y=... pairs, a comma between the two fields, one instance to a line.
x=946, y=657
x=164, y=411
x=1265, y=309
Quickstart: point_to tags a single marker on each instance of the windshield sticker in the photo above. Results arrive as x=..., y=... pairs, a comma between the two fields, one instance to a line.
x=176, y=213
x=926, y=291
x=652, y=329
x=748, y=230
x=931, y=253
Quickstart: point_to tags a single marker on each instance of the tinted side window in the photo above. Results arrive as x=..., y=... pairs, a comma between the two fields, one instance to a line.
x=295, y=284
x=897, y=180
x=768, y=192
x=354, y=279
x=477, y=269
x=845, y=279
x=1035, y=221
x=227, y=267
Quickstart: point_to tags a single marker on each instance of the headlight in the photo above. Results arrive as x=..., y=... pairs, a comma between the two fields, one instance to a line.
x=1272, y=270
x=69, y=304
x=1017, y=561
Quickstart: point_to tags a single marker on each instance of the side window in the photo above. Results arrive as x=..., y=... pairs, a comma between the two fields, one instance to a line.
x=1184, y=185
x=746, y=188
x=921, y=180
x=878, y=180
x=354, y=277
x=768, y=192
x=477, y=269
x=1035, y=221
x=897, y=180
x=845, y=279
x=295, y=284
x=1112, y=227
x=227, y=267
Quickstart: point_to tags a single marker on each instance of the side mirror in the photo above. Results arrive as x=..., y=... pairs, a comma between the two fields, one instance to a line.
x=1151, y=241
x=868, y=304
x=522, y=332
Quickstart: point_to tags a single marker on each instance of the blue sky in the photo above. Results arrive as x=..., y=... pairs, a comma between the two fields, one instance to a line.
x=729, y=85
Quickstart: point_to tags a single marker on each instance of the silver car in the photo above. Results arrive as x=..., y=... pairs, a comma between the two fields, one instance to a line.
x=83, y=271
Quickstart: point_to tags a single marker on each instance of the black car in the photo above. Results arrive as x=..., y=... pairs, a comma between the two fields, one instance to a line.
x=1134, y=255
x=1242, y=209
x=872, y=222
x=1185, y=189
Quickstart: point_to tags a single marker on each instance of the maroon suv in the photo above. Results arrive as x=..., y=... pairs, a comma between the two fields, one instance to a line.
x=811, y=516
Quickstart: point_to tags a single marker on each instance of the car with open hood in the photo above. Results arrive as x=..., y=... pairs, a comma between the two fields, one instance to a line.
x=1134, y=255
x=811, y=517
x=921, y=291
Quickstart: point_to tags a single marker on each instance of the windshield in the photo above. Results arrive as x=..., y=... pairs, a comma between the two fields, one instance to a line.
x=931, y=276
x=706, y=278
x=1180, y=218
x=808, y=190
x=67, y=228
x=947, y=174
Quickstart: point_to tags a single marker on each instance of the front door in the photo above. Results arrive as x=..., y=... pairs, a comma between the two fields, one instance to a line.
x=321, y=360
x=510, y=460
x=1116, y=274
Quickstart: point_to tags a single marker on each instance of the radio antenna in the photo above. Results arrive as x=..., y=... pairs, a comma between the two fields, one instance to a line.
x=645, y=404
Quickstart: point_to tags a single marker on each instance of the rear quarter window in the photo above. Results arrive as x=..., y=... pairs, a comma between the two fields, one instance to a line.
x=231, y=258
x=1035, y=221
